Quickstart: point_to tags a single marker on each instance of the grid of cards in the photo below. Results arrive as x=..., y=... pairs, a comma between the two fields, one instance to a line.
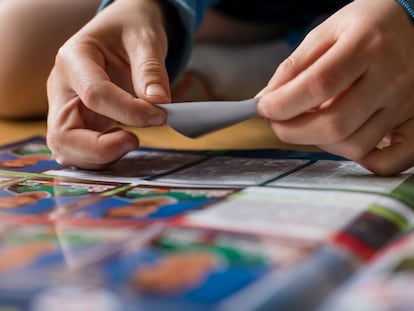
x=189, y=230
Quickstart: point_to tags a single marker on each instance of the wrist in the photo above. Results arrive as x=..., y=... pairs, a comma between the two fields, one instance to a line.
x=408, y=5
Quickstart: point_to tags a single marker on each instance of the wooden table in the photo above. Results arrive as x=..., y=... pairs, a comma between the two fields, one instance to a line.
x=254, y=133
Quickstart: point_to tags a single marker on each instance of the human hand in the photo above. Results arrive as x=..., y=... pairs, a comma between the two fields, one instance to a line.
x=112, y=71
x=349, y=86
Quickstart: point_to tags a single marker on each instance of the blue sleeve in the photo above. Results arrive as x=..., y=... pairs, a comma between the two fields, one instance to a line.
x=104, y=3
x=408, y=5
x=188, y=15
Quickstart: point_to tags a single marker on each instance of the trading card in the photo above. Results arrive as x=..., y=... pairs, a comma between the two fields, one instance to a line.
x=40, y=196
x=282, y=252
x=308, y=214
x=232, y=171
x=59, y=252
x=178, y=268
x=185, y=270
x=32, y=247
x=31, y=156
x=371, y=230
x=385, y=284
x=36, y=257
x=149, y=203
x=341, y=175
x=193, y=269
x=138, y=164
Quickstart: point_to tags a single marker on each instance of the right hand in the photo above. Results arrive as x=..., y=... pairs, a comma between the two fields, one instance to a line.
x=348, y=88
x=112, y=71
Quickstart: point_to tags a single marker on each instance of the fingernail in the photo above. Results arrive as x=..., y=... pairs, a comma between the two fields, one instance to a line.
x=155, y=89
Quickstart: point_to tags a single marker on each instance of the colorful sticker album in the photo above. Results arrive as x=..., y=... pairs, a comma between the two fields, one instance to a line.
x=203, y=230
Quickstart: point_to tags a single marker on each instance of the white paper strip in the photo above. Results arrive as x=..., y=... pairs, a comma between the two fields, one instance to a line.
x=194, y=119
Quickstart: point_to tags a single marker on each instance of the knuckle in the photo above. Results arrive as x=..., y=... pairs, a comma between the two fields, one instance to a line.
x=318, y=86
x=335, y=129
x=90, y=94
x=52, y=139
x=150, y=36
x=269, y=109
x=378, y=39
x=381, y=166
x=147, y=36
x=281, y=133
x=151, y=66
x=287, y=65
x=314, y=34
x=54, y=143
x=383, y=169
x=64, y=53
x=354, y=151
x=61, y=55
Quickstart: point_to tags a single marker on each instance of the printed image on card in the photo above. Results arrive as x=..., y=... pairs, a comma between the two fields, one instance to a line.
x=31, y=156
x=41, y=196
x=386, y=284
x=37, y=257
x=145, y=202
x=372, y=229
x=35, y=246
x=185, y=270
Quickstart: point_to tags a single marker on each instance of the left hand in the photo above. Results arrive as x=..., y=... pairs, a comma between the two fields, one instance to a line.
x=349, y=86
x=110, y=72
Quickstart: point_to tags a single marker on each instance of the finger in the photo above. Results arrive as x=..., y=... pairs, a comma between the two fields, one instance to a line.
x=89, y=149
x=336, y=120
x=84, y=67
x=366, y=139
x=397, y=156
x=81, y=138
x=74, y=115
x=147, y=57
x=315, y=44
x=328, y=76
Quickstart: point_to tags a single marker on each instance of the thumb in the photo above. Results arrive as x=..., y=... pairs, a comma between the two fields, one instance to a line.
x=149, y=74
